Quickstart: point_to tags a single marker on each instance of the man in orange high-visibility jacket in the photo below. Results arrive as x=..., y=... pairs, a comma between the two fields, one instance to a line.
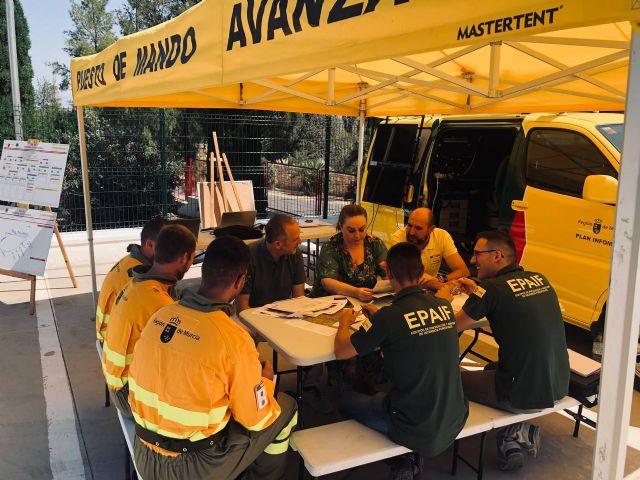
x=150, y=289
x=119, y=275
x=203, y=404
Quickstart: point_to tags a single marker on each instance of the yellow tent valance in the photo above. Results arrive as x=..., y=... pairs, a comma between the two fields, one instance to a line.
x=383, y=56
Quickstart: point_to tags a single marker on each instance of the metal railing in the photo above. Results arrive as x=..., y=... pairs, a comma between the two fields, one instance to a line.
x=147, y=162
x=299, y=190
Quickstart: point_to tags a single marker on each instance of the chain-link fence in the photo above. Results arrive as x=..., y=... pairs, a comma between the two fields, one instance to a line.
x=147, y=162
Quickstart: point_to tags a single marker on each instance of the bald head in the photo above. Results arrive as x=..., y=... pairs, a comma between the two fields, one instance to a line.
x=419, y=227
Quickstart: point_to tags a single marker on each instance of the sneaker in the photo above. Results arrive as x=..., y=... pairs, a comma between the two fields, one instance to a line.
x=406, y=467
x=528, y=437
x=510, y=456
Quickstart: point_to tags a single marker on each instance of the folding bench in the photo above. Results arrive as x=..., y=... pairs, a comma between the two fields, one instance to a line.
x=128, y=429
x=346, y=445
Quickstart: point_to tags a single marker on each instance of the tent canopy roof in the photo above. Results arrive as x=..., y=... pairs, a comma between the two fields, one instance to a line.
x=387, y=57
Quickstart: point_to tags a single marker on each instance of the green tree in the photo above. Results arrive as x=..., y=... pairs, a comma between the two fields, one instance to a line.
x=139, y=15
x=25, y=70
x=46, y=95
x=92, y=28
x=92, y=32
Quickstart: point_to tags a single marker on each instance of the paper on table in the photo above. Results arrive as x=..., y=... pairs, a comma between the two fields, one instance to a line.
x=273, y=313
x=458, y=301
x=312, y=327
x=382, y=286
x=310, y=222
x=378, y=296
x=309, y=306
x=355, y=326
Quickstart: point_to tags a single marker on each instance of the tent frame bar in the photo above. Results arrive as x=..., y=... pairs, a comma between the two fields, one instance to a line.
x=623, y=305
x=86, y=190
x=405, y=85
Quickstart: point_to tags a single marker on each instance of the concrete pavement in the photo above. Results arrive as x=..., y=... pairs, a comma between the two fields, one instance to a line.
x=53, y=423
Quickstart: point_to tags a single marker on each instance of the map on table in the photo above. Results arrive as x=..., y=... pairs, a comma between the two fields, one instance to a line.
x=32, y=173
x=25, y=238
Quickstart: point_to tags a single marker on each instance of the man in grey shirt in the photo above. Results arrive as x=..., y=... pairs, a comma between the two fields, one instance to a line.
x=277, y=269
x=276, y=273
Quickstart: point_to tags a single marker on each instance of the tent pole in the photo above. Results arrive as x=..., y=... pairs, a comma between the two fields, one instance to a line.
x=623, y=306
x=362, y=118
x=87, y=202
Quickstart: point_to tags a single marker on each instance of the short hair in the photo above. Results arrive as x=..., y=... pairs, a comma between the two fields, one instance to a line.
x=348, y=211
x=173, y=242
x=151, y=229
x=225, y=260
x=275, y=229
x=500, y=241
x=431, y=218
x=404, y=260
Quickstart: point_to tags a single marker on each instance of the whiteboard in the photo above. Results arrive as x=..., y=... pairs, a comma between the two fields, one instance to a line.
x=32, y=173
x=25, y=238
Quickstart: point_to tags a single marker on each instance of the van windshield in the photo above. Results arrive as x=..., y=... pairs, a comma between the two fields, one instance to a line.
x=613, y=133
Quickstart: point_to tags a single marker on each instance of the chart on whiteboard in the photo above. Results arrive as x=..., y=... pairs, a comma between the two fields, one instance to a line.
x=25, y=238
x=32, y=173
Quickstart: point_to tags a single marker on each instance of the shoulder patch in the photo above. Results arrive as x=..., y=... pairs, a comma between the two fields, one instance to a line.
x=167, y=333
x=479, y=292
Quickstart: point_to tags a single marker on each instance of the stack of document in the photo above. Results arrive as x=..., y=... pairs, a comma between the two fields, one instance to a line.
x=382, y=289
x=304, y=307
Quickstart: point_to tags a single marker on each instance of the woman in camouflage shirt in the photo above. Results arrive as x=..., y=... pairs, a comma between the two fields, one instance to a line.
x=351, y=261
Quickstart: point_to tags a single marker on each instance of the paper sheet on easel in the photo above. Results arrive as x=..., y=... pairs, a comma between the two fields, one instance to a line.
x=25, y=239
x=245, y=191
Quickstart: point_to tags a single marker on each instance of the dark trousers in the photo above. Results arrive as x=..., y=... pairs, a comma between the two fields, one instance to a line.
x=240, y=453
x=370, y=410
x=480, y=387
x=120, y=399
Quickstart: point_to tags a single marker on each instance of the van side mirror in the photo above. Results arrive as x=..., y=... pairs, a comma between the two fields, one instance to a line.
x=600, y=188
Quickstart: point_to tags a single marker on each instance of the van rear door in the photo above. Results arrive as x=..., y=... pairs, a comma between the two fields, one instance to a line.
x=464, y=179
x=559, y=233
x=392, y=173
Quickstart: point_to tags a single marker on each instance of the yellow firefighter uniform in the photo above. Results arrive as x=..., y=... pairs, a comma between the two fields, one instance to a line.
x=115, y=281
x=201, y=406
x=143, y=296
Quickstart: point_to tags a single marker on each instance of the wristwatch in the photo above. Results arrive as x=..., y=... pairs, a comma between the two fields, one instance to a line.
x=442, y=278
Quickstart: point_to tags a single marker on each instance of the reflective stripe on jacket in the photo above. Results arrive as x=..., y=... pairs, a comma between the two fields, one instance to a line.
x=195, y=369
x=134, y=306
x=115, y=281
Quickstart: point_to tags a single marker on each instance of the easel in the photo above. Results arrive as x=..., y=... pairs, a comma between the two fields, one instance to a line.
x=25, y=276
x=216, y=162
x=30, y=277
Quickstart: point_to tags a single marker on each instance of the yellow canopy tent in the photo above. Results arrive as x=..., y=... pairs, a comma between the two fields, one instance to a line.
x=398, y=57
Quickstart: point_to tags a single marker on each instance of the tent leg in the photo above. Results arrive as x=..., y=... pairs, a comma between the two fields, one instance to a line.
x=360, y=152
x=87, y=204
x=623, y=312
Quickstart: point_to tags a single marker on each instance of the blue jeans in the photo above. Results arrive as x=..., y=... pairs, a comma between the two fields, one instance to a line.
x=367, y=409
